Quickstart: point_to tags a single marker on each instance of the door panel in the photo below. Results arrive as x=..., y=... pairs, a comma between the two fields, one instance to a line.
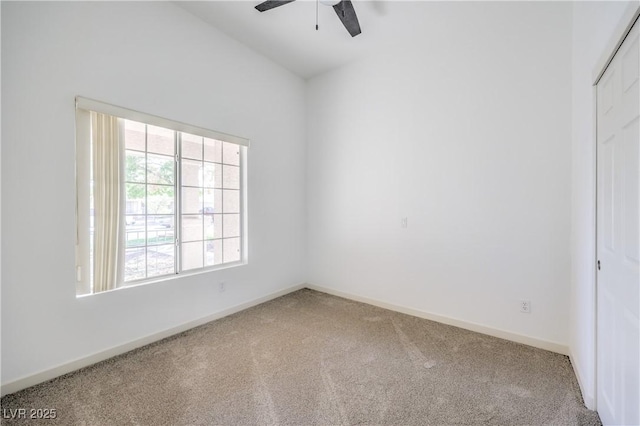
x=607, y=382
x=631, y=370
x=607, y=168
x=618, y=223
x=630, y=67
x=632, y=178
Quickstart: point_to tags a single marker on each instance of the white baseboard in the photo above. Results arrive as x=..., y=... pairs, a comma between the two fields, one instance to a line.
x=79, y=363
x=588, y=397
x=51, y=373
x=495, y=332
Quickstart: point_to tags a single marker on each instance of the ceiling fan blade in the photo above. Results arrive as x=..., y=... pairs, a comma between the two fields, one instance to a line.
x=347, y=15
x=270, y=4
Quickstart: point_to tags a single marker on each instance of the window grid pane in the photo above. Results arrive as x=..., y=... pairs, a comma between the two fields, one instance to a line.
x=192, y=255
x=230, y=177
x=231, y=249
x=209, y=210
x=212, y=150
x=230, y=153
x=150, y=201
x=210, y=186
x=182, y=205
x=160, y=260
x=192, y=202
x=213, y=255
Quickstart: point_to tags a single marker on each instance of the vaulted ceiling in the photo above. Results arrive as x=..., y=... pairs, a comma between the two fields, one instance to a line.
x=287, y=34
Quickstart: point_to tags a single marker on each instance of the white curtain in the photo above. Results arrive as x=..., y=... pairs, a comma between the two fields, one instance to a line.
x=108, y=200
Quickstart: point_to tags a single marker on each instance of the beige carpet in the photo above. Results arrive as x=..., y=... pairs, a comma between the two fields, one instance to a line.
x=313, y=359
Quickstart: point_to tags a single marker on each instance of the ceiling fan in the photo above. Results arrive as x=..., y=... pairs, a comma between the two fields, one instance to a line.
x=344, y=9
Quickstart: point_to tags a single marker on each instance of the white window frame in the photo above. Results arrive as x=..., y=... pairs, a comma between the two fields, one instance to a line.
x=84, y=106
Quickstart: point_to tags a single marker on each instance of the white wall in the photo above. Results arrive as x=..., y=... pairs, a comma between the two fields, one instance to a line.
x=466, y=131
x=593, y=25
x=156, y=58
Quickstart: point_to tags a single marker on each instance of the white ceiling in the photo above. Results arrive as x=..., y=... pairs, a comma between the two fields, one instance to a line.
x=287, y=33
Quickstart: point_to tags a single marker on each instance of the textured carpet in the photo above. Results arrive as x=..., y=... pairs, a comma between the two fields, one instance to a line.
x=313, y=359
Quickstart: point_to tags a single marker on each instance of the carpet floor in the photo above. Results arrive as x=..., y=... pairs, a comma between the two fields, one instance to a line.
x=309, y=358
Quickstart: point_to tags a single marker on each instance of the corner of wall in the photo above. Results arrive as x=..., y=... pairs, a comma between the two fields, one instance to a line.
x=587, y=393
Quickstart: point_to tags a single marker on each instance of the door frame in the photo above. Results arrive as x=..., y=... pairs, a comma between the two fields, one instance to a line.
x=626, y=22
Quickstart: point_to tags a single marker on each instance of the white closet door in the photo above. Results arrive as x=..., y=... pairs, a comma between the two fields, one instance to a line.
x=618, y=323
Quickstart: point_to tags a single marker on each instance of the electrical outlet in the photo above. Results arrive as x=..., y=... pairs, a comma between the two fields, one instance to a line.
x=525, y=306
x=222, y=286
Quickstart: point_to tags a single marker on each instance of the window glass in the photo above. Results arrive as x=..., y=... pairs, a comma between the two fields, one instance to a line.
x=180, y=202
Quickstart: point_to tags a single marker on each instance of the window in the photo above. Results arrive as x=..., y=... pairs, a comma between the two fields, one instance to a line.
x=156, y=198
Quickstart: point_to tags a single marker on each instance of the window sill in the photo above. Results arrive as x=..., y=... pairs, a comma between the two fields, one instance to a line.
x=171, y=277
